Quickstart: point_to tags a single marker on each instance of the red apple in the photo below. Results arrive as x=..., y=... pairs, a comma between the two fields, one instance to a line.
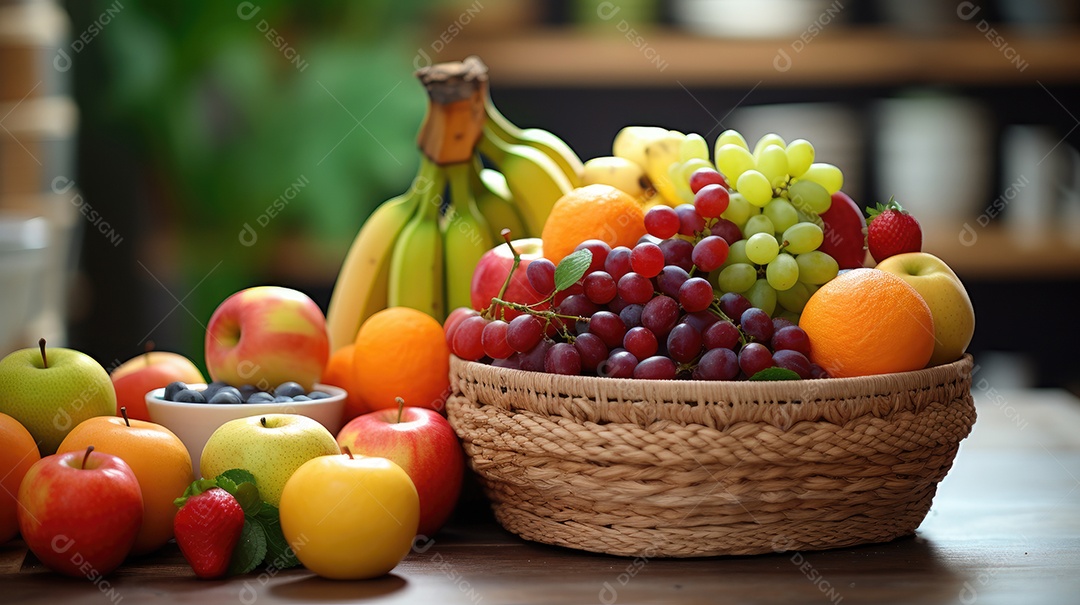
x=845, y=232
x=79, y=512
x=494, y=266
x=420, y=441
x=137, y=376
x=265, y=336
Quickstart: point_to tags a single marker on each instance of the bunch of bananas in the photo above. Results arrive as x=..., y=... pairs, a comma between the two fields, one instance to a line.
x=419, y=249
x=652, y=164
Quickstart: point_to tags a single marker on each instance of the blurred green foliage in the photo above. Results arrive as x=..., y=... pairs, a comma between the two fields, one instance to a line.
x=234, y=101
x=224, y=106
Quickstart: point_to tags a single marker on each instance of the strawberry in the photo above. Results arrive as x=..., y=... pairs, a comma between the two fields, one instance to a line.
x=891, y=230
x=845, y=232
x=207, y=529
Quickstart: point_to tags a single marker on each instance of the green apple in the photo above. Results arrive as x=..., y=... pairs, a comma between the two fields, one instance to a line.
x=51, y=391
x=944, y=293
x=270, y=446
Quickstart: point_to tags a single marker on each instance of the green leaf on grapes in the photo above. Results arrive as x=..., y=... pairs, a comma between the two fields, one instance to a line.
x=250, y=550
x=775, y=374
x=279, y=555
x=572, y=268
x=238, y=476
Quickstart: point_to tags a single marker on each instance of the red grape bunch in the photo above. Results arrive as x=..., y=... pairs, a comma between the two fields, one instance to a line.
x=649, y=312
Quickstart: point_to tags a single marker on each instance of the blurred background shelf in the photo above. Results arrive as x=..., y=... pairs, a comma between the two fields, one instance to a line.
x=860, y=56
x=1003, y=254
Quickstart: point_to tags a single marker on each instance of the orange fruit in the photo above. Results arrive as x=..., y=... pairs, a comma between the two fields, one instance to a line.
x=158, y=458
x=401, y=352
x=592, y=212
x=340, y=373
x=18, y=453
x=868, y=321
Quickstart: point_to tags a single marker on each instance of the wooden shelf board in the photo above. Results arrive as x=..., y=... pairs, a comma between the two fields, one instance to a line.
x=855, y=56
x=997, y=252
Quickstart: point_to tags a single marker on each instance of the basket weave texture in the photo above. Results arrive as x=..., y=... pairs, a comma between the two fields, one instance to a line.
x=690, y=468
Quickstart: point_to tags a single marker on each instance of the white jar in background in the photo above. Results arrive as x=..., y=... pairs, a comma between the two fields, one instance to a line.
x=934, y=154
x=1033, y=171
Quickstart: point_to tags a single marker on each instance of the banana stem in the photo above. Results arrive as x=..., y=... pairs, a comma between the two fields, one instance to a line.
x=499, y=124
x=456, y=116
x=491, y=146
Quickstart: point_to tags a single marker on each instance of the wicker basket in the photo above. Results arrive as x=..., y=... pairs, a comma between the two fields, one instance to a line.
x=688, y=468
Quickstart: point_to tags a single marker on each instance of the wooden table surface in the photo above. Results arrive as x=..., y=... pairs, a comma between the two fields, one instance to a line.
x=1004, y=528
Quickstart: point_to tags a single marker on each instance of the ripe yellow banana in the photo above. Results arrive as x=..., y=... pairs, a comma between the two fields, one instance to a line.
x=416, y=264
x=546, y=141
x=361, y=287
x=620, y=173
x=466, y=236
x=660, y=154
x=495, y=202
x=535, y=181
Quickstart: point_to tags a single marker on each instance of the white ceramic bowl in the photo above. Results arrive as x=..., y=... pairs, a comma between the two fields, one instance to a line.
x=193, y=423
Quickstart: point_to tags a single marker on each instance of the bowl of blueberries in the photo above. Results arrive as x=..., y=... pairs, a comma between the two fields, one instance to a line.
x=194, y=411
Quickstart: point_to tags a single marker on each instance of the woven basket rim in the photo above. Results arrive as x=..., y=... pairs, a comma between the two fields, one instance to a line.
x=743, y=391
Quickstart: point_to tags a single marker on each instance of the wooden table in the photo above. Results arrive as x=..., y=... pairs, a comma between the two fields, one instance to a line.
x=1004, y=528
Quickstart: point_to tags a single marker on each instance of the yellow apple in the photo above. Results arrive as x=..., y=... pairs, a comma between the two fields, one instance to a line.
x=269, y=446
x=350, y=518
x=944, y=293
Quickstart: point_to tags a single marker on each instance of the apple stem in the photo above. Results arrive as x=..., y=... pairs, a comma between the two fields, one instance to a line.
x=400, y=408
x=123, y=412
x=149, y=347
x=86, y=457
x=348, y=452
x=44, y=359
x=262, y=421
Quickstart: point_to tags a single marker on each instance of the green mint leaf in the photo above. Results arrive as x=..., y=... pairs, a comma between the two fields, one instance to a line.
x=279, y=554
x=775, y=374
x=248, y=497
x=197, y=487
x=572, y=268
x=250, y=550
x=238, y=476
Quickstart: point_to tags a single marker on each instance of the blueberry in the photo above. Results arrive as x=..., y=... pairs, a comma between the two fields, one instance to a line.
x=225, y=396
x=317, y=395
x=248, y=390
x=260, y=397
x=231, y=391
x=172, y=389
x=282, y=399
x=212, y=388
x=289, y=389
x=301, y=398
x=189, y=396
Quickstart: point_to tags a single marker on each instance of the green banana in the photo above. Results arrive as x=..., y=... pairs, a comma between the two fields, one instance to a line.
x=535, y=181
x=361, y=287
x=466, y=236
x=495, y=202
x=552, y=146
x=416, y=265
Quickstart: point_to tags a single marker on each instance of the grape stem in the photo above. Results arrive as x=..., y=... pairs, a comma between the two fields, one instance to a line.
x=537, y=312
x=717, y=311
x=513, y=268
